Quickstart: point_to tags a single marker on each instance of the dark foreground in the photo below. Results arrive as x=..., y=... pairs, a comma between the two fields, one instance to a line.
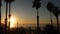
x=48, y=29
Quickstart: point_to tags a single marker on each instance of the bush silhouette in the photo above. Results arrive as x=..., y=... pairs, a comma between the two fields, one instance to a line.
x=49, y=29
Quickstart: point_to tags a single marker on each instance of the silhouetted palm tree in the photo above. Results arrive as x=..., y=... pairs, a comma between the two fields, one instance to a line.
x=10, y=1
x=6, y=15
x=50, y=7
x=36, y=4
x=0, y=12
x=1, y=28
x=56, y=12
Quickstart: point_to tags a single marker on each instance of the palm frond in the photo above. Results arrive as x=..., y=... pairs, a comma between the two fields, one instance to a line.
x=9, y=1
x=50, y=6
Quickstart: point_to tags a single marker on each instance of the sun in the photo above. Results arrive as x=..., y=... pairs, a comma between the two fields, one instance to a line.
x=12, y=20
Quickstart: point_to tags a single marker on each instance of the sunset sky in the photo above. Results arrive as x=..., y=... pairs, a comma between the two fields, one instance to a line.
x=24, y=13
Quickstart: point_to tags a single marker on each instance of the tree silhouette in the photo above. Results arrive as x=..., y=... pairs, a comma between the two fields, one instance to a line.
x=1, y=28
x=56, y=12
x=10, y=1
x=6, y=16
x=0, y=12
x=50, y=7
x=49, y=29
x=37, y=4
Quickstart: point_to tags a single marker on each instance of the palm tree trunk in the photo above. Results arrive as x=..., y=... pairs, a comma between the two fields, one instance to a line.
x=57, y=24
x=38, y=22
x=0, y=15
x=9, y=15
x=6, y=17
x=0, y=12
x=51, y=19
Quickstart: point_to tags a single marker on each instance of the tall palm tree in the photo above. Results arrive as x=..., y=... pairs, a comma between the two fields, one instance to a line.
x=6, y=16
x=56, y=12
x=36, y=4
x=50, y=7
x=0, y=12
x=10, y=1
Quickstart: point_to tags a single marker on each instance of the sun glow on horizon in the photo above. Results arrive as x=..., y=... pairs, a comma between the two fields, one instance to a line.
x=13, y=21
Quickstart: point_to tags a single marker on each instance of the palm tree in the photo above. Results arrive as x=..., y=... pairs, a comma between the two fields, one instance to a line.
x=6, y=15
x=10, y=1
x=50, y=7
x=56, y=12
x=0, y=12
x=1, y=28
x=36, y=4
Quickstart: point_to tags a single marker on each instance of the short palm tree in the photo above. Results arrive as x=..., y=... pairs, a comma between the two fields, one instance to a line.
x=36, y=4
x=0, y=12
x=50, y=7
